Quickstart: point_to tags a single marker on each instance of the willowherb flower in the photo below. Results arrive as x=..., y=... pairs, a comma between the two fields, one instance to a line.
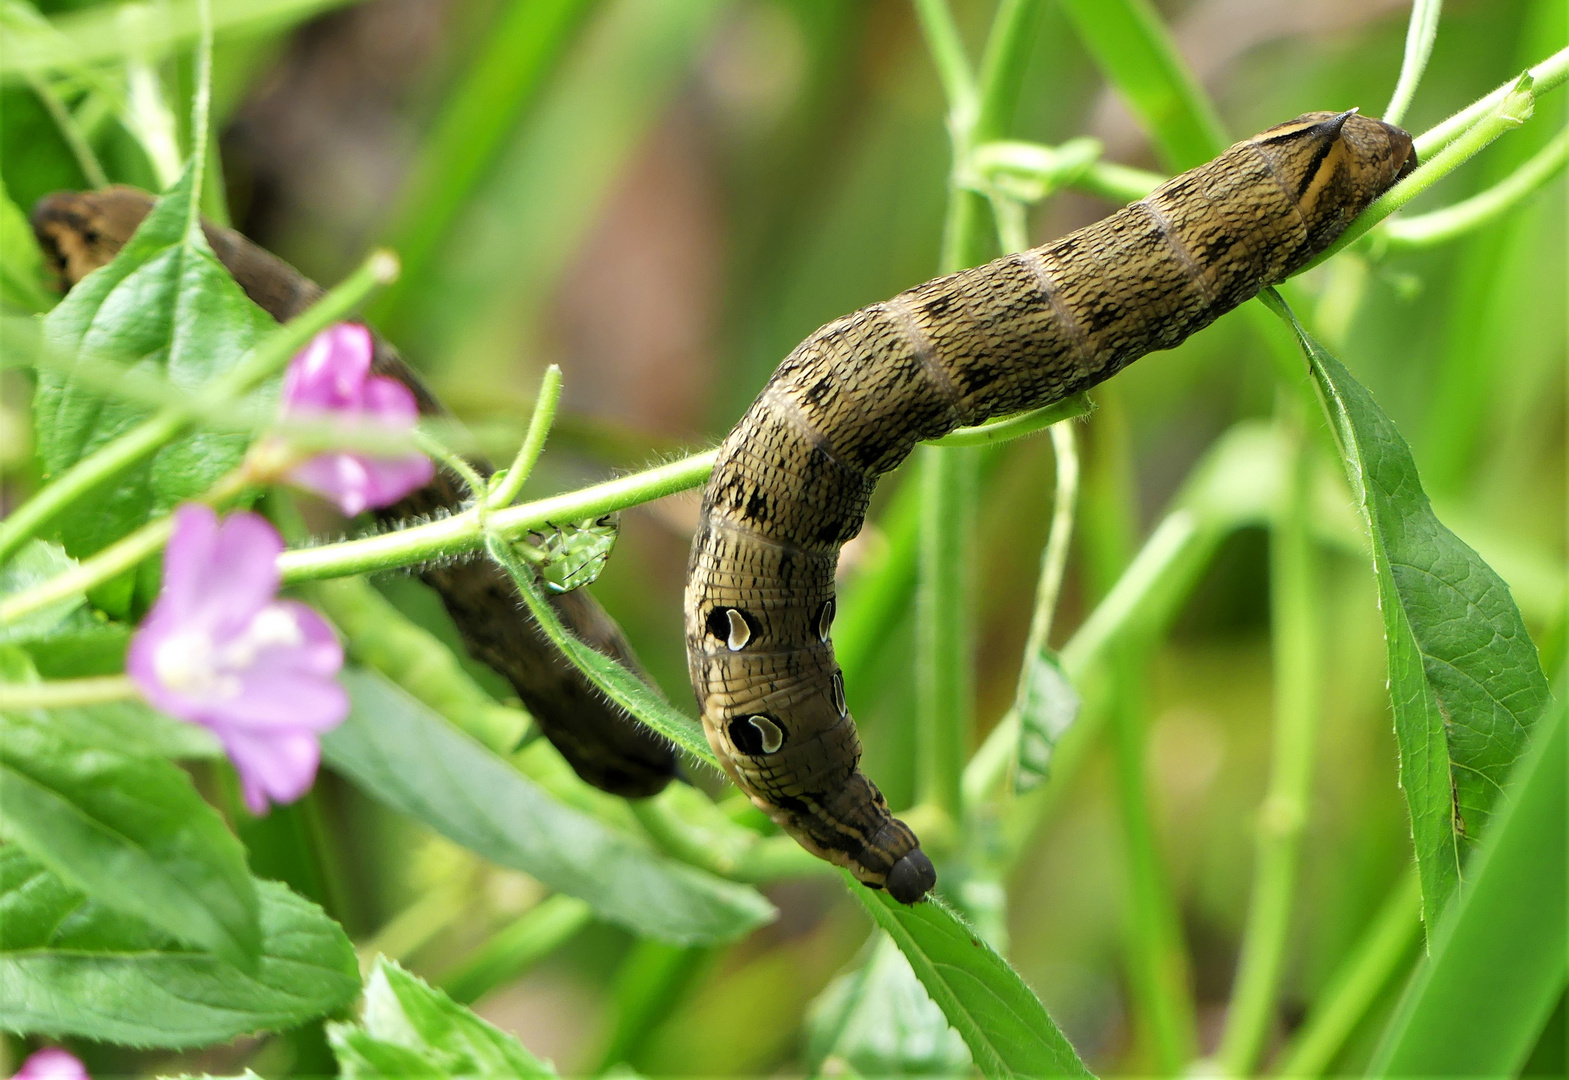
x=51, y=1063
x=330, y=379
x=221, y=650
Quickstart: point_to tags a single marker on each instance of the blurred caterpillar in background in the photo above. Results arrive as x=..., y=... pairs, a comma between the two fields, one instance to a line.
x=82, y=231
x=792, y=481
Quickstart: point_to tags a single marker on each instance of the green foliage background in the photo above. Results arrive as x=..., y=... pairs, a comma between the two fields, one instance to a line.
x=664, y=198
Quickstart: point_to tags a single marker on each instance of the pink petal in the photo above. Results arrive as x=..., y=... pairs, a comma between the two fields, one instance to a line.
x=185, y=557
x=242, y=577
x=339, y=477
x=329, y=373
x=275, y=768
x=52, y=1063
x=388, y=480
x=390, y=401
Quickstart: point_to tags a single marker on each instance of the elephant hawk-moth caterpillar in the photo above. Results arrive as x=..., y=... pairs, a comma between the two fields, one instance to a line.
x=792, y=480
x=81, y=231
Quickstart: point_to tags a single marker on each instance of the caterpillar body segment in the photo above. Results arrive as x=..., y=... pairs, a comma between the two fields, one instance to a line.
x=793, y=479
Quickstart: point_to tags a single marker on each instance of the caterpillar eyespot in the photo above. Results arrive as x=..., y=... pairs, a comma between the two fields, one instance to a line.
x=792, y=480
x=757, y=735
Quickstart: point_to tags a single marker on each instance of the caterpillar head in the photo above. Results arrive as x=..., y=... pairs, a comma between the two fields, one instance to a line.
x=1335, y=165
x=80, y=231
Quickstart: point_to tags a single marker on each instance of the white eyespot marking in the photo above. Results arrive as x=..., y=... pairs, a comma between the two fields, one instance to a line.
x=825, y=619
x=836, y=685
x=772, y=736
x=740, y=632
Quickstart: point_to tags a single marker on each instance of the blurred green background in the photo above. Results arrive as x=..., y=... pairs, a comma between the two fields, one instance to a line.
x=684, y=189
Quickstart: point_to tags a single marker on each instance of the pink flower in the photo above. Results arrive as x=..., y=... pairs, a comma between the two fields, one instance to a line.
x=221, y=650
x=51, y=1063
x=331, y=378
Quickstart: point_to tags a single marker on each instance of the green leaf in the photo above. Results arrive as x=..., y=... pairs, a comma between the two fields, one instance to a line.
x=618, y=684
x=408, y=757
x=998, y=1016
x=70, y=966
x=420, y=1031
x=23, y=283
x=362, y=1056
x=130, y=832
x=1134, y=49
x=1048, y=707
x=1464, y=677
x=136, y=730
x=881, y=1021
x=1500, y=953
x=36, y=563
x=165, y=306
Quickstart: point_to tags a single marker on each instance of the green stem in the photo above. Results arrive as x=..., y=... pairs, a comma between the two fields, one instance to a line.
x=1054, y=559
x=1441, y=226
x=119, y=556
x=1153, y=950
x=88, y=474
x=1018, y=425
x=510, y=952
x=70, y=131
x=1420, y=33
x=944, y=603
x=1378, y=955
x=953, y=66
x=1180, y=540
x=1548, y=75
x=1294, y=640
x=944, y=634
x=533, y=441
x=64, y=693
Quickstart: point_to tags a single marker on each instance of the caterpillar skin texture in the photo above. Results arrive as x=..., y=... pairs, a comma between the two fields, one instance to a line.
x=82, y=231
x=792, y=481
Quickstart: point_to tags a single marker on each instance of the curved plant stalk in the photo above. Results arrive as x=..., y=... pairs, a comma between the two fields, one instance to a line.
x=1384, y=948
x=1419, y=46
x=978, y=111
x=1481, y=209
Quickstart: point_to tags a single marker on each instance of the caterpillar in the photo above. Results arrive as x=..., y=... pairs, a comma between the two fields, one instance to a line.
x=792, y=480
x=80, y=231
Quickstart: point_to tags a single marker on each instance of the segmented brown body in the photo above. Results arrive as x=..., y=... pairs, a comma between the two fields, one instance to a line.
x=609, y=749
x=792, y=481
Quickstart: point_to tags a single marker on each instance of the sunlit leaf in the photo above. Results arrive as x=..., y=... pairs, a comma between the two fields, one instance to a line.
x=131, y=832
x=880, y=1020
x=69, y=966
x=411, y=1029
x=1048, y=707
x=1500, y=953
x=1000, y=1019
x=1464, y=677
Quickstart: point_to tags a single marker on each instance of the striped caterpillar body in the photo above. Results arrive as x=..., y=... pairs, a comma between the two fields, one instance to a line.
x=792, y=481
x=81, y=231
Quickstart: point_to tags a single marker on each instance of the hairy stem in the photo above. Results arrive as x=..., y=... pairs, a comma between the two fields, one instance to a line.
x=1419, y=46
x=1483, y=208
